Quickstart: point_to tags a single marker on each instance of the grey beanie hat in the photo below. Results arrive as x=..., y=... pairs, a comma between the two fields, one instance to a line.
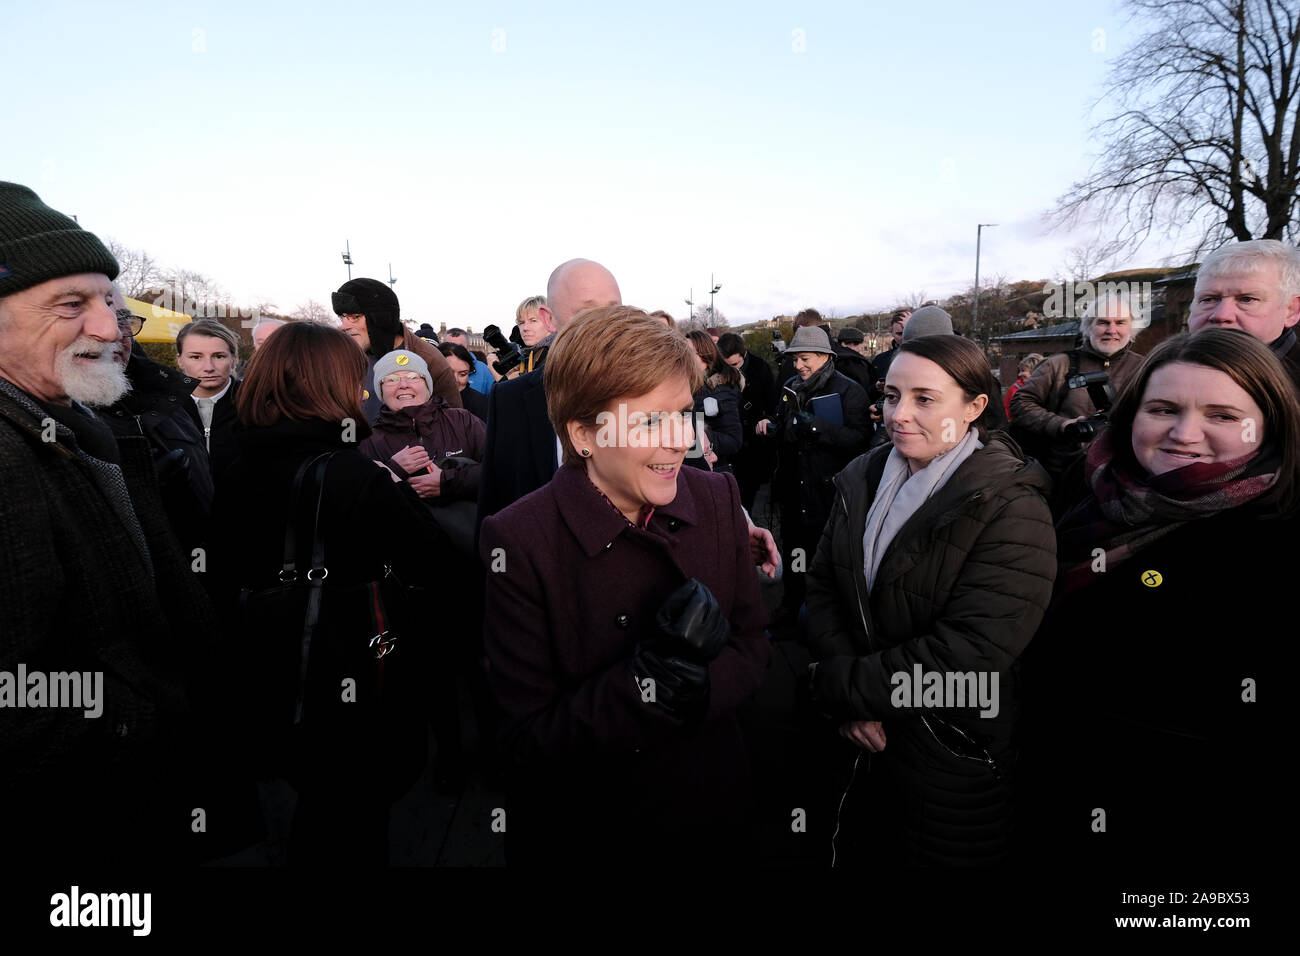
x=38, y=243
x=400, y=360
x=810, y=338
x=930, y=320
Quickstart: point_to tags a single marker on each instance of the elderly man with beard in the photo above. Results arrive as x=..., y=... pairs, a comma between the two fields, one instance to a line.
x=92, y=583
x=1051, y=400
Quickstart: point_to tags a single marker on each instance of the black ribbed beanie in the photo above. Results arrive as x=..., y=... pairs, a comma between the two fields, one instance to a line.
x=38, y=243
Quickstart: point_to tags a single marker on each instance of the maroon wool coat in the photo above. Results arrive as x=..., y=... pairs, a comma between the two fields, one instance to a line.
x=571, y=591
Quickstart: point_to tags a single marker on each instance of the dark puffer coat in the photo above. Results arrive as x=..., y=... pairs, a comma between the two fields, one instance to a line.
x=724, y=428
x=160, y=408
x=442, y=431
x=962, y=588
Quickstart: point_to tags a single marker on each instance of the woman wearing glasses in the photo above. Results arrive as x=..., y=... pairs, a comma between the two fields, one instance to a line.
x=624, y=626
x=158, y=407
x=434, y=448
x=933, y=574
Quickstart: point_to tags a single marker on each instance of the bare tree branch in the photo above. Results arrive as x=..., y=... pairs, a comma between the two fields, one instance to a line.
x=1204, y=144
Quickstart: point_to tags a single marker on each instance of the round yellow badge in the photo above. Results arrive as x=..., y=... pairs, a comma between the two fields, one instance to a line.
x=403, y=360
x=1152, y=579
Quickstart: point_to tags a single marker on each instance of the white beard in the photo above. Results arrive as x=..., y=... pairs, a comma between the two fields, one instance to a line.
x=101, y=382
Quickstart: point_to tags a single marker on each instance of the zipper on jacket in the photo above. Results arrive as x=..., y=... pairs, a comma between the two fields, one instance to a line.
x=857, y=594
x=839, y=810
x=986, y=759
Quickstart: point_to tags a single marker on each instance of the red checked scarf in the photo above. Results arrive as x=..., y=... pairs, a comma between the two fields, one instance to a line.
x=1128, y=511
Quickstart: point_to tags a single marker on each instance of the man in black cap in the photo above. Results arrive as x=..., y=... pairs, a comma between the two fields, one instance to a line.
x=849, y=359
x=370, y=314
x=99, y=610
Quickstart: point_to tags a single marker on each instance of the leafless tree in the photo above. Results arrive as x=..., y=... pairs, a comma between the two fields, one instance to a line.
x=1205, y=145
x=1083, y=262
x=312, y=311
x=137, y=270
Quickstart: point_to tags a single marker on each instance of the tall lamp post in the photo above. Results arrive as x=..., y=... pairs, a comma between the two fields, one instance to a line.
x=975, y=319
x=391, y=281
x=691, y=303
x=347, y=259
x=712, y=292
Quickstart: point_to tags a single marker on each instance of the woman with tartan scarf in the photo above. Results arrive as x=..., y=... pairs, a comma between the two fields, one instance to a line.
x=1146, y=690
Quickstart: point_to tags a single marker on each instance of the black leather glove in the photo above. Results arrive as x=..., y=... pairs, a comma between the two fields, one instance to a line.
x=680, y=686
x=692, y=624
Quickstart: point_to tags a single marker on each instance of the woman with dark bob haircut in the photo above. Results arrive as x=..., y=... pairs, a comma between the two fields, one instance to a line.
x=1148, y=745
x=300, y=401
x=721, y=417
x=931, y=578
x=624, y=625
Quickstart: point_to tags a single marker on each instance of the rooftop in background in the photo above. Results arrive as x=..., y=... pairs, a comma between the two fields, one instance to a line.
x=1065, y=329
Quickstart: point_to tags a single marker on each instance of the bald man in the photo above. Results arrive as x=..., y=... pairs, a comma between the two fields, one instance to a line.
x=522, y=450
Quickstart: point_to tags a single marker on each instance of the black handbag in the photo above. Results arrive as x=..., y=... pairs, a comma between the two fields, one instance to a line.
x=330, y=686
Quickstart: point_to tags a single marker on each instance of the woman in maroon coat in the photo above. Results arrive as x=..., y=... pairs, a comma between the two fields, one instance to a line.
x=624, y=625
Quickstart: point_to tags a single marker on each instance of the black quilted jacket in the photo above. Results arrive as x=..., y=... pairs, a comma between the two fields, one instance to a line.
x=962, y=588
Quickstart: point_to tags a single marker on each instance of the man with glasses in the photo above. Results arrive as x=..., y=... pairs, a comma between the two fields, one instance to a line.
x=159, y=408
x=95, y=596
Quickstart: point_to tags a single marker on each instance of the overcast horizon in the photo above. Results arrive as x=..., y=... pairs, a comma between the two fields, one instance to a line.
x=834, y=156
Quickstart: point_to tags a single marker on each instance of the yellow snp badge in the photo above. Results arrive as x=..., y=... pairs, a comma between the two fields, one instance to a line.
x=403, y=360
x=365, y=393
x=1152, y=579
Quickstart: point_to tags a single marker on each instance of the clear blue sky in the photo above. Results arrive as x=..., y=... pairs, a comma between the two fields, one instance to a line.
x=835, y=155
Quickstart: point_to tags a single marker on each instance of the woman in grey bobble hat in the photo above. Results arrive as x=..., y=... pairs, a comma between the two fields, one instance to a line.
x=820, y=426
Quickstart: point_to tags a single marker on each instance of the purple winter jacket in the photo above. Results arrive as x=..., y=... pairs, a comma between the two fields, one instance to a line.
x=443, y=431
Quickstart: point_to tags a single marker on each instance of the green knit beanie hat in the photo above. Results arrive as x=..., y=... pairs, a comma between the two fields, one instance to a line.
x=37, y=243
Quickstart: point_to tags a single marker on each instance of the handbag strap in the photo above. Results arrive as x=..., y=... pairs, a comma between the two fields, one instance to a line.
x=289, y=568
x=316, y=574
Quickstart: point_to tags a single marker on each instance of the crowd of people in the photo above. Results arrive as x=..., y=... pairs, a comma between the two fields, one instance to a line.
x=1005, y=599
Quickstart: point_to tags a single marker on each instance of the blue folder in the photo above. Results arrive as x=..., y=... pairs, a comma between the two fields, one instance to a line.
x=828, y=408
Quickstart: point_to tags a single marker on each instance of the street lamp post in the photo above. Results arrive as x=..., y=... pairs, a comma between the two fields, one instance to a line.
x=713, y=291
x=691, y=303
x=975, y=319
x=347, y=258
x=391, y=281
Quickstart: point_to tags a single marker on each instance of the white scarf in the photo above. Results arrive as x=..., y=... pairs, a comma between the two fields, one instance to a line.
x=900, y=496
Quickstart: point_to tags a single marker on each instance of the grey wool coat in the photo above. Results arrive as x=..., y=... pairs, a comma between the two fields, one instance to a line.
x=961, y=588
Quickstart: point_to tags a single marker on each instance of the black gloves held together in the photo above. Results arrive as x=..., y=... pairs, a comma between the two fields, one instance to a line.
x=678, y=686
x=691, y=624
x=692, y=632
